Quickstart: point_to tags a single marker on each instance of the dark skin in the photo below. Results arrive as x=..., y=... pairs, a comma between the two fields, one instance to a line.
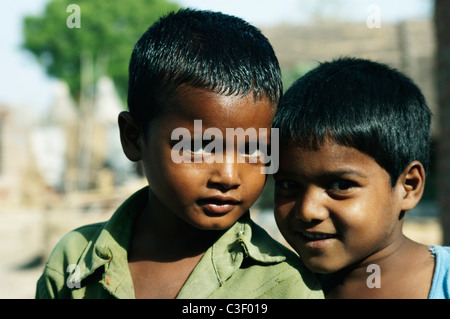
x=161, y=257
x=190, y=204
x=400, y=278
x=338, y=209
x=163, y=249
x=406, y=268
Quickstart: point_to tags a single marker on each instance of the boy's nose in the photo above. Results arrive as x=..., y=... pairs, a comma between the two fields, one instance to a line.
x=309, y=206
x=225, y=175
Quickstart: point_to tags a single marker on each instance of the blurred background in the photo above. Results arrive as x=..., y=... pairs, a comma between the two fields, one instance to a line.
x=63, y=81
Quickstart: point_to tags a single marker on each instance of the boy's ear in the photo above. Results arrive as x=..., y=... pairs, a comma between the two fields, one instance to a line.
x=412, y=184
x=130, y=137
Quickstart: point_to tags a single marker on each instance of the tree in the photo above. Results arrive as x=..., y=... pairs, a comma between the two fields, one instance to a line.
x=102, y=33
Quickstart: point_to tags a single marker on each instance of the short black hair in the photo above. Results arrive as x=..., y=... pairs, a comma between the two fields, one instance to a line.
x=361, y=104
x=202, y=49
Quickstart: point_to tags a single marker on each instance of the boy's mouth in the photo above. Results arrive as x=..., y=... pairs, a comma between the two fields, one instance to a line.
x=218, y=205
x=316, y=236
x=316, y=239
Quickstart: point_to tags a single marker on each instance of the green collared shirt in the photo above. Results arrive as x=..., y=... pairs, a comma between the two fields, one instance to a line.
x=245, y=262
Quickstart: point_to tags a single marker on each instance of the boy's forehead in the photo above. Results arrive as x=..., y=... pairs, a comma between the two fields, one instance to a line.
x=193, y=102
x=198, y=110
x=328, y=157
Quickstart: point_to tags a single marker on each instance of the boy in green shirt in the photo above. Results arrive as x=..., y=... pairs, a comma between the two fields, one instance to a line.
x=189, y=234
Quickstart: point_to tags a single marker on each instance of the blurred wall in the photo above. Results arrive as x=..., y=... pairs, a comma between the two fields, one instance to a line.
x=442, y=23
x=408, y=46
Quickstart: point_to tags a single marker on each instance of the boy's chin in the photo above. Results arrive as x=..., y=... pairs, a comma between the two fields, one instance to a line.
x=213, y=224
x=323, y=268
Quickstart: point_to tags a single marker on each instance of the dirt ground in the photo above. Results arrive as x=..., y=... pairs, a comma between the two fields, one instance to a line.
x=28, y=234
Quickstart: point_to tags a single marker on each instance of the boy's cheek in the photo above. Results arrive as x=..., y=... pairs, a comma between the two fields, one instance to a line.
x=283, y=206
x=281, y=215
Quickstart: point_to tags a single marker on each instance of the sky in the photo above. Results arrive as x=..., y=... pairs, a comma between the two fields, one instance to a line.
x=24, y=84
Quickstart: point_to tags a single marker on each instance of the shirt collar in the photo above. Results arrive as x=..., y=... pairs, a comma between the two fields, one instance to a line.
x=243, y=240
x=110, y=248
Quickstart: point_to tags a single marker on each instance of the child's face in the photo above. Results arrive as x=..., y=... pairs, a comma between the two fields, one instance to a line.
x=335, y=206
x=210, y=196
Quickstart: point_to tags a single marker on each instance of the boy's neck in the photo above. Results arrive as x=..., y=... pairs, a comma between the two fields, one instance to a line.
x=405, y=270
x=164, y=250
x=160, y=234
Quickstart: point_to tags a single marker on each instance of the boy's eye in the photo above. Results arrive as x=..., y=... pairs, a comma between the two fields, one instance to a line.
x=250, y=150
x=286, y=184
x=198, y=146
x=341, y=185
